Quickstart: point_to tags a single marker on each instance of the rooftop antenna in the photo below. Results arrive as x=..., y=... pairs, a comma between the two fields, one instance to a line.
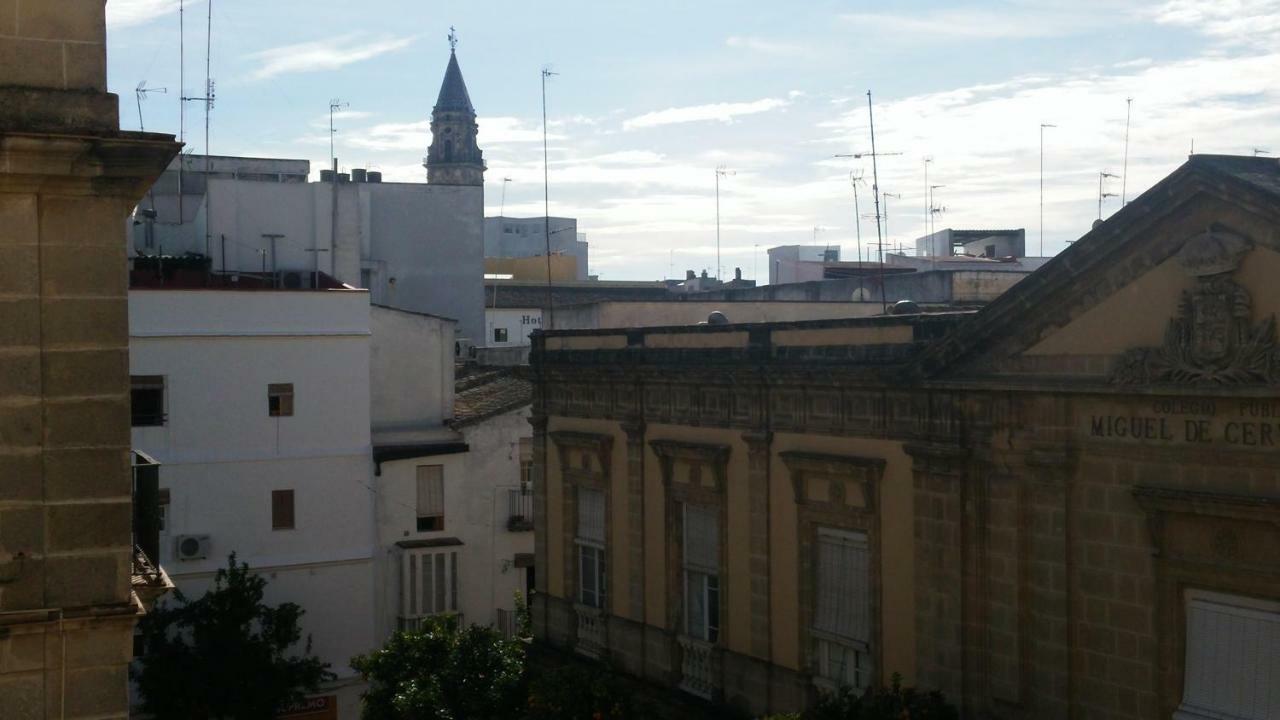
x=1042, y=127
x=182, y=102
x=502, y=208
x=334, y=104
x=546, y=186
x=1260, y=151
x=885, y=196
x=855, y=178
x=141, y=93
x=934, y=210
x=927, y=159
x=1104, y=175
x=1124, y=173
x=875, y=192
x=720, y=172
x=209, y=95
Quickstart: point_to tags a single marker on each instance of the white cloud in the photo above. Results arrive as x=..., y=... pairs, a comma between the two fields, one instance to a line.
x=767, y=47
x=723, y=112
x=124, y=13
x=416, y=136
x=1231, y=22
x=329, y=54
x=968, y=23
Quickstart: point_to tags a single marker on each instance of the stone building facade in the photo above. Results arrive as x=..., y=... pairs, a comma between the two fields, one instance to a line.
x=1064, y=505
x=70, y=587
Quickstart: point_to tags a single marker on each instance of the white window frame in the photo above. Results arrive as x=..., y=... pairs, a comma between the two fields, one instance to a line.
x=702, y=579
x=420, y=598
x=841, y=661
x=419, y=515
x=1221, y=688
x=591, y=550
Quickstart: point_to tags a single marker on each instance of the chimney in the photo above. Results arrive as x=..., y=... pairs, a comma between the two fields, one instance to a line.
x=704, y=274
x=690, y=275
x=374, y=176
x=737, y=273
x=358, y=175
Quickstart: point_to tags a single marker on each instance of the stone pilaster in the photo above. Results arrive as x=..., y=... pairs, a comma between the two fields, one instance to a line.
x=635, y=513
x=541, y=561
x=939, y=474
x=758, y=447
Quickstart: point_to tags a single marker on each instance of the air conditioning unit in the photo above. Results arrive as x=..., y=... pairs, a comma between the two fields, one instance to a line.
x=191, y=547
x=294, y=279
x=464, y=349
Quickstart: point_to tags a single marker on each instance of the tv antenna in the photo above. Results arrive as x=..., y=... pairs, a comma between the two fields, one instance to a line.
x=334, y=105
x=210, y=94
x=1104, y=175
x=546, y=191
x=1260, y=151
x=141, y=93
x=875, y=194
x=1124, y=173
x=934, y=209
x=885, y=197
x=855, y=179
x=502, y=208
x=720, y=171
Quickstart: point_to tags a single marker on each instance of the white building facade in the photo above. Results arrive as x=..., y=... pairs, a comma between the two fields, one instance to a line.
x=257, y=405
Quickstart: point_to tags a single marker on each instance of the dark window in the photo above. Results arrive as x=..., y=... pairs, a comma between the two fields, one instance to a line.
x=147, y=400
x=499, y=334
x=991, y=251
x=430, y=482
x=282, y=510
x=280, y=399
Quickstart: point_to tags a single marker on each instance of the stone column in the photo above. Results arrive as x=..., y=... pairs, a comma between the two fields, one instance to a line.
x=758, y=456
x=939, y=474
x=1050, y=639
x=68, y=180
x=635, y=513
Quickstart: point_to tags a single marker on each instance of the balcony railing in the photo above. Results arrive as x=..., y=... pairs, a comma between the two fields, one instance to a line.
x=520, y=509
x=699, y=667
x=592, y=636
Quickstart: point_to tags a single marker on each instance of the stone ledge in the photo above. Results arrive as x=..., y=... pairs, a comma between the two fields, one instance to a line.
x=69, y=112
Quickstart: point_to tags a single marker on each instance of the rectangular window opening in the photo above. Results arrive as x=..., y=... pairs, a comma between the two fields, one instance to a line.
x=430, y=490
x=282, y=510
x=280, y=399
x=146, y=400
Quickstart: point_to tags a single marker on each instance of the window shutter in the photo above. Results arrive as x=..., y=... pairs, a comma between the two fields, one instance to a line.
x=430, y=490
x=702, y=538
x=842, y=602
x=590, y=515
x=282, y=510
x=1233, y=661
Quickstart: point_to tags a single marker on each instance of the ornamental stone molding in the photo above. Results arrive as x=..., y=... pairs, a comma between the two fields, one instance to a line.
x=1212, y=340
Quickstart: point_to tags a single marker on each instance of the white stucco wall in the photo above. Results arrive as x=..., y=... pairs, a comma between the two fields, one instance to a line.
x=222, y=453
x=475, y=487
x=518, y=322
x=411, y=365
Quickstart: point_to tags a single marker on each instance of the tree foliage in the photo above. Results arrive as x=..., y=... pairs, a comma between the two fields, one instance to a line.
x=877, y=703
x=443, y=672
x=226, y=654
x=583, y=692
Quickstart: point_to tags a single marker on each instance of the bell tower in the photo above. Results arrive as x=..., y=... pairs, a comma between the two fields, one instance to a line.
x=454, y=158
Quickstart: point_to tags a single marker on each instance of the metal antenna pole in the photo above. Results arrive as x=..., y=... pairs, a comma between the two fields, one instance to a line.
x=875, y=193
x=334, y=104
x=857, y=217
x=1042, y=127
x=927, y=160
x=502, y=208
x=886, y=196
x=208, y=105
x=1124, y=174
x=546, y=200
x=182, y=102
x=717, y=223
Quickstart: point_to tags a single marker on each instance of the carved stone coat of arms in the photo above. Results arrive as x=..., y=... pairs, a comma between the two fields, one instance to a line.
x=1212, y=340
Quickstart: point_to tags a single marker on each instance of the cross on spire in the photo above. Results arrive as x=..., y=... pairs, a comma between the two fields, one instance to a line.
x=453, y=39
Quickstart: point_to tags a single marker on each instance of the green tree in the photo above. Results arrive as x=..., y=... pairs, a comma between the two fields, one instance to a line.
x=226, y=654
x=879, y=703
x=443, y=672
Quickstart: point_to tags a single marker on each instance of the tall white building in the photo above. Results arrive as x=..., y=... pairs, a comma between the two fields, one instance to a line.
x=257, y=405
x=414, y=246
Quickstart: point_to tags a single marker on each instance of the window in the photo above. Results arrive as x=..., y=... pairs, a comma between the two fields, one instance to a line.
x=990, y=251
x=842, y=609
x=164, y=510
x=146, y=400
x=366, y=278
x=702, y=573
x=282, y=510
x=1232, y=666
x=280, y=399
x=499, y=334
x=430, y=498
x=430, y=583
x=592, y=589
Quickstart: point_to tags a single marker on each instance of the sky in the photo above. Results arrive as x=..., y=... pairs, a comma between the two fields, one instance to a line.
x=651, y=98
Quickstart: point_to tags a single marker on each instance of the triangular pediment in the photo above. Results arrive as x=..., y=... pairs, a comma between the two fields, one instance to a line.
x=1179, y=287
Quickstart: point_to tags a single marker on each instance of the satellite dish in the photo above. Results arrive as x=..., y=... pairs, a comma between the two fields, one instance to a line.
x=861, y=295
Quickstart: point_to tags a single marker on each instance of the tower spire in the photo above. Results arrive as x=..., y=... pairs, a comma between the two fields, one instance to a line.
x=454, y=158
